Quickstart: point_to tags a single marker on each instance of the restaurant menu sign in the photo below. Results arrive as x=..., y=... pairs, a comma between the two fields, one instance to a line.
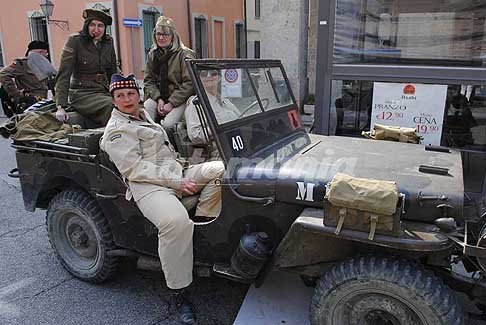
x=418, y=106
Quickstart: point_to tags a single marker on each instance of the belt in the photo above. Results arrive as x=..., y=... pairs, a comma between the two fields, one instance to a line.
x=98, y=77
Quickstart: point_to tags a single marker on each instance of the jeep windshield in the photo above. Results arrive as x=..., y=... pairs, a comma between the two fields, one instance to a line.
x=250, y=108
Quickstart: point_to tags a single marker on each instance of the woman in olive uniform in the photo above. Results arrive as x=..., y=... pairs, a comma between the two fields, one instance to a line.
x=167, y=81
x=87, y=62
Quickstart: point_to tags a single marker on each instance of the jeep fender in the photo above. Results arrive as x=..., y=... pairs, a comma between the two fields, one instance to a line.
x=309, y=243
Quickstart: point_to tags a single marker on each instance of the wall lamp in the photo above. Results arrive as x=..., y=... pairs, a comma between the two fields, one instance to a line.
x=47, y=8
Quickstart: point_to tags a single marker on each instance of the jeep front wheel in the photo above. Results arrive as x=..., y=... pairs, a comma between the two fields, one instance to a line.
x=382, y=290
x=80, y=236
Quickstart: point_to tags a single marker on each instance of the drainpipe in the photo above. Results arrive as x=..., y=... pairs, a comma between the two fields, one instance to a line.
x=189, y=20
x=246, y=31
x=117, y=32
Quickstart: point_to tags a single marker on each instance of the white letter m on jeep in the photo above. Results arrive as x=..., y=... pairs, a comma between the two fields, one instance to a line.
x=305, y=190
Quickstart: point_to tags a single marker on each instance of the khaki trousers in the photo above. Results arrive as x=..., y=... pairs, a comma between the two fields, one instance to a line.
x=164, y=209
x=171, y=119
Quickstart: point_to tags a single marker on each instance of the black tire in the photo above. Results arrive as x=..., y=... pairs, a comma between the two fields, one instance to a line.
x=382, y=290
x=81, y=236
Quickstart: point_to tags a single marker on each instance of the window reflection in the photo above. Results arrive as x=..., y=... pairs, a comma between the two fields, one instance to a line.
x=238, y=93
x=447, y=32
x=464, y=116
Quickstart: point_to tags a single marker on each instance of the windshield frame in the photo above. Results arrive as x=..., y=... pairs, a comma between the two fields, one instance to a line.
x=195, y=66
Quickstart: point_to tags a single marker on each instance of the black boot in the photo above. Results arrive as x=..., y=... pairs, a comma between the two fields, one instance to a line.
x=187, y=313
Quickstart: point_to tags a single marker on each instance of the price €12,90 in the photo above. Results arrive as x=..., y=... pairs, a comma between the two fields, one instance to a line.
x=389, y=116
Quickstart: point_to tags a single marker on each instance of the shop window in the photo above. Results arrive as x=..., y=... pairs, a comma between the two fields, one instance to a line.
x=256, y=49
x=201, y=36
x=432, y=32
x=240, y=40
x=149, y=18
x=38, y=27
x=447, y=115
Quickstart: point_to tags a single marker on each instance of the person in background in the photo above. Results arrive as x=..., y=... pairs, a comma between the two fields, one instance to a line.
x=157, y=179
x=26, y=78
x=87, y=62
x=167, y=81
x=224, y=110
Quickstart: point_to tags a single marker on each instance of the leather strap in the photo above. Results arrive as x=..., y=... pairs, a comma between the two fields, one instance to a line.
x=98, y=77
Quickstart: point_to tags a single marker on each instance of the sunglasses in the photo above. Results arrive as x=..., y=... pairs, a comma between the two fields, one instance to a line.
x=208, y=73
x=159, y=35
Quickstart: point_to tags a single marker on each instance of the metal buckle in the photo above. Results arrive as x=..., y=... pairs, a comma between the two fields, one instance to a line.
x=100, y=77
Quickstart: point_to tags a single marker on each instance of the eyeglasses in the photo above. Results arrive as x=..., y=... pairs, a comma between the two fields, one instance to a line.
x=159, y=35
x=208, y=73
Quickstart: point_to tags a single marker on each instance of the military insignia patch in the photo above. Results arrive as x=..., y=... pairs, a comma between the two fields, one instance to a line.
x=116, y=136
x=68, y=49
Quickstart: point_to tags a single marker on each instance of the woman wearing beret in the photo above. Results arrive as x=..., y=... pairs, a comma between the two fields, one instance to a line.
x=87, y=62
x=167, y=81
x=157, y=179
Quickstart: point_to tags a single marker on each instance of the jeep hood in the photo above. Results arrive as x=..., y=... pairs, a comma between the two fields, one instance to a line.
x=301, y=179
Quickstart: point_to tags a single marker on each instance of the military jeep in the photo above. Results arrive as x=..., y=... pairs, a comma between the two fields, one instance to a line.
x=274, y=187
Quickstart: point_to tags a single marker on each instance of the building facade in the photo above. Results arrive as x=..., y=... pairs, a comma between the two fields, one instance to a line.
x=213, y=28
x=253, y=22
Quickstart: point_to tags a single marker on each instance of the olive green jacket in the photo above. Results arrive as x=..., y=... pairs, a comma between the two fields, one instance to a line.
x=18, y=76
x=180, y=83
x=80, y=56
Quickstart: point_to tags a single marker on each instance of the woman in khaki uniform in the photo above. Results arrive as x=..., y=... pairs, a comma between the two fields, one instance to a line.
x=167, y=81
x=87, y=62
x=141, y=151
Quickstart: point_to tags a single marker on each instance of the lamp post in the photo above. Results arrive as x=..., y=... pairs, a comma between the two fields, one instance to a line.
x=47, y=8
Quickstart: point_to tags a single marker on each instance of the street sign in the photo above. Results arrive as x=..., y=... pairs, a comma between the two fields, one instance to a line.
x=132, y=22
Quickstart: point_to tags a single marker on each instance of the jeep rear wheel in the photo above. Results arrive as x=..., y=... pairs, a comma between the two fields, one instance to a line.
x=81, y=237
x=381, y=290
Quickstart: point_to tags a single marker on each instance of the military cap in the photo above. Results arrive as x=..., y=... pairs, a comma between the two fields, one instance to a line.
x=37, y=45
x=164, y=21
x=120, y=82
x=93, y=14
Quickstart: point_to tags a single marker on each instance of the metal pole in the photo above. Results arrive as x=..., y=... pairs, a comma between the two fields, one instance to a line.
x=134, y=59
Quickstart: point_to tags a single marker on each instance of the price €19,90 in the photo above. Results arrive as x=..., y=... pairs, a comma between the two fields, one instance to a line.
x=426, y=128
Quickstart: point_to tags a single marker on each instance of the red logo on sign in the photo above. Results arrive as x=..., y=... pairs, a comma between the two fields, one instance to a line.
x=409, y=90
x=294, y=119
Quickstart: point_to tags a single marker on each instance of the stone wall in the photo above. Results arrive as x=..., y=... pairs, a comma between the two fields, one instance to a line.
x=311, y=63
x=284, y=35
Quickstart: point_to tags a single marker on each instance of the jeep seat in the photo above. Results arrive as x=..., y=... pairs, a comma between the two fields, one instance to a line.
x=195, y=153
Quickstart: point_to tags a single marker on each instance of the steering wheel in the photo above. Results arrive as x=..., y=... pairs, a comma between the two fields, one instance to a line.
x=265, y=103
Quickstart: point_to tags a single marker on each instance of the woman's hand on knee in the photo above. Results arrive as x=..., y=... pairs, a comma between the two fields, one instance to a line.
x=160, y=106
x=188, y=187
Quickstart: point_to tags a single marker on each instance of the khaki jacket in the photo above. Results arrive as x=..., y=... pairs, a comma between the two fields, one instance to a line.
x=142, y=153
x=224, y=110
x=18, y=76
x=180, y=83
x=80, y=56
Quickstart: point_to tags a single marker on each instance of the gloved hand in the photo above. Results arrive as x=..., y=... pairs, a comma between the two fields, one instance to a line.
x=61, y=114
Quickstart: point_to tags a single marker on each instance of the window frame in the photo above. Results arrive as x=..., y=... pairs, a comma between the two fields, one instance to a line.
x=204, y=53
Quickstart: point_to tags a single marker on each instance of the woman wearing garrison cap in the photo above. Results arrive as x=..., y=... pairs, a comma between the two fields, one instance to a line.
x=87, y=62
x=167, y=81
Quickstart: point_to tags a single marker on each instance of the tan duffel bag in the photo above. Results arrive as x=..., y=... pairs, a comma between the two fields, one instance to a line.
x=392, y=133
x=368, y=205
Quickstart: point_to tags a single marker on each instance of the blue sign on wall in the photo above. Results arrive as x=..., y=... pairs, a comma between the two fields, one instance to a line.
x=132, y=22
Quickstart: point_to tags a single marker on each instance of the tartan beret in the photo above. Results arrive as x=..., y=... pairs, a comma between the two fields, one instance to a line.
x=120, y=82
